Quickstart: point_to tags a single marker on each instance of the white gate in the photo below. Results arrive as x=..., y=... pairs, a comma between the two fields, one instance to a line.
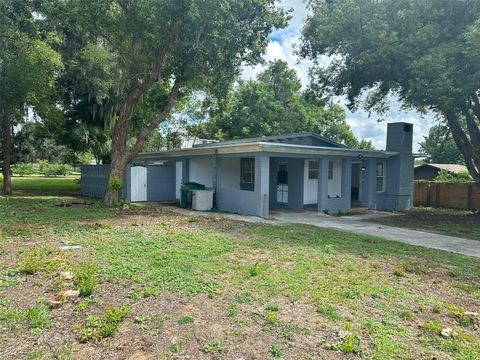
x=138, y=181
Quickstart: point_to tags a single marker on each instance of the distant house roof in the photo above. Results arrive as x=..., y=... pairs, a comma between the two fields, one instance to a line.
x=452, y=168
x=287, y=138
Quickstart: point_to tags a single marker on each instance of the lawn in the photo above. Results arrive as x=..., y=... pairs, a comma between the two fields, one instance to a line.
x=453, y=222
x=159, y=285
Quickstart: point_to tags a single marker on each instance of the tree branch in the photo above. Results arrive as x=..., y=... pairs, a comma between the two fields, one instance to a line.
x=156, y=121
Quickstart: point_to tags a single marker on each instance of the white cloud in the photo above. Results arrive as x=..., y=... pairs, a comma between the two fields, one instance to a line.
x=282, y=46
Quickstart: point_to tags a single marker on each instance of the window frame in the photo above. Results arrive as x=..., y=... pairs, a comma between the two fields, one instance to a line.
x=315, y=170
x=247, y=174
x=330, y=171
x=382, y=176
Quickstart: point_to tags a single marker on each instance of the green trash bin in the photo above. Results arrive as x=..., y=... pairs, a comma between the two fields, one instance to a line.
x=186, y=193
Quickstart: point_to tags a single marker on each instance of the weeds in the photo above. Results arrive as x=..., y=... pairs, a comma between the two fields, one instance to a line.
x=329, y=312
x=106, y=326
x=186, y=320
x=84, y=277
x=271, y=318
x=213, y=347
x=38, y=317
x=35, y=260
x=275, y=351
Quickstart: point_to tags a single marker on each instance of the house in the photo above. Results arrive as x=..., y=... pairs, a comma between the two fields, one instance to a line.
x=296, y=171
x=430, y=171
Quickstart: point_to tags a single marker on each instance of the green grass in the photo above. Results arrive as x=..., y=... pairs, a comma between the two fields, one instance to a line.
x=41, y=185
x=453, y=222
x=254, y=274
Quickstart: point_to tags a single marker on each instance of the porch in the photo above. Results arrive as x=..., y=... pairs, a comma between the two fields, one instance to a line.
x=255, y=184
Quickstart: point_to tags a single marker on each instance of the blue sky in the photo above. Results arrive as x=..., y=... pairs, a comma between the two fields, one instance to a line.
x=282, y=46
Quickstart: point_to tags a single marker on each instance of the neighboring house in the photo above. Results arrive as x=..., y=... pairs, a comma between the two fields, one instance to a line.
x=297, y=171
x=430, y=171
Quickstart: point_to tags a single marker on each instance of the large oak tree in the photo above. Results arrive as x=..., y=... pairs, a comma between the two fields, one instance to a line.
x=129, y=48
x=426, y=52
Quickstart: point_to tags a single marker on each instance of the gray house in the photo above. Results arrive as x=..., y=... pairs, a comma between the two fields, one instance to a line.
x=296, y=171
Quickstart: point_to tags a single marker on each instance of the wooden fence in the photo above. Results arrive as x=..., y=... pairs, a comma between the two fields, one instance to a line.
x=456, y=196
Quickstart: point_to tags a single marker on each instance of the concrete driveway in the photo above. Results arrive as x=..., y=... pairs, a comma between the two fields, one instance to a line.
x=357, y=223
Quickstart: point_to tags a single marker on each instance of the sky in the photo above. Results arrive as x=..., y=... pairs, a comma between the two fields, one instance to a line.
x=282, y=46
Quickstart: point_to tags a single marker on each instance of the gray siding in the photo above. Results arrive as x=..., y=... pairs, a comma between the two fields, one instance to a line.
x=237, y=201
x=160, y=182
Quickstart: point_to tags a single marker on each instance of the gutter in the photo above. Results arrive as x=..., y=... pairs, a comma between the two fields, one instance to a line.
x=267, y=147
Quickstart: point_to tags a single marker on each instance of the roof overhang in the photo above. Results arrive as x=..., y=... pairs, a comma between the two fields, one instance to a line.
x=276, y=148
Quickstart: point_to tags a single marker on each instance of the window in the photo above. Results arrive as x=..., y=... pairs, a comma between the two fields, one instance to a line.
x=247, y=171
x=330, y=170
x=282, y=175
x=380, y=176
x=313, y=170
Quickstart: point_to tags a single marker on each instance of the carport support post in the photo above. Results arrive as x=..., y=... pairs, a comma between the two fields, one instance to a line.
x=372, y=183
x=347, y=181
x=262, y=183
x=322, y=192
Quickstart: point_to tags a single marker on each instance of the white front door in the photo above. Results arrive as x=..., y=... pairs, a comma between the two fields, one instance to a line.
x=310, y=186
x=178, y=178
x=138, y=188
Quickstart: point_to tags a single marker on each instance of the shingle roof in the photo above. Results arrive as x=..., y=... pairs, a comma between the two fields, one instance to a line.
x=275, y=138
x=453, y=168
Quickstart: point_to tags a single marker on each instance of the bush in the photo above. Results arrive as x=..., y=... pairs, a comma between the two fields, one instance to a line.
x=447, y=177
x=23, y=169
x=48, y=169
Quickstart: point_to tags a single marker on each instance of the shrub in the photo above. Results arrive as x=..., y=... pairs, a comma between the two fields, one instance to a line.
x=23, y=169
x=84, y=277
x=98, y=328
x=116, y=183
x=448, y=177
x=48, y=169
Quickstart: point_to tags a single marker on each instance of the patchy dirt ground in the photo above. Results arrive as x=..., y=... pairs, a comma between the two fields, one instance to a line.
x=210, y=288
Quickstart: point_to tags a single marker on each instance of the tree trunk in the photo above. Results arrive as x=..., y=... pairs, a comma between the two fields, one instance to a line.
x=121, y=155
x=7, y=153
x=467, y=148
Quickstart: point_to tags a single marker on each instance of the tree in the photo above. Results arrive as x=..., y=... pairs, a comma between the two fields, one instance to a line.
x=27, y=68
x=131, y=48
x=439, y=146
x=275, y=104
x=423, y=51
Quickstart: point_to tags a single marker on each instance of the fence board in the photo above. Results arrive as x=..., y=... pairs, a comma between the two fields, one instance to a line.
x=448, y=195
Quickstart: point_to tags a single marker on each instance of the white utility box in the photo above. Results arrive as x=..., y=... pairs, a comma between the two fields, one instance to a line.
x=202, y=200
